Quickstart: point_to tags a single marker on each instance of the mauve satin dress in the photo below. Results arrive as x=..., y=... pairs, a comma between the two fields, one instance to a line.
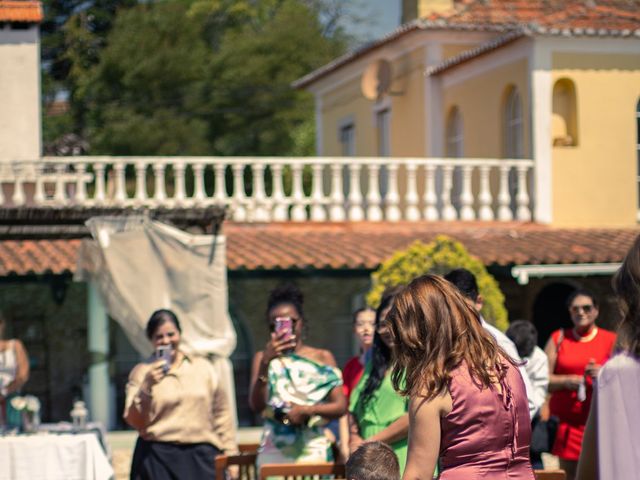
x=487, y=433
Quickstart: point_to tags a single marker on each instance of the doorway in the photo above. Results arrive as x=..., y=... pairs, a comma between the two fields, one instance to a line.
x=550, y=310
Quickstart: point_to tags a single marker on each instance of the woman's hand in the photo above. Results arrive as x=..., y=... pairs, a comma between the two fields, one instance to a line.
x=154, y=375
x=355, y=440
x=279, y=344
x=573, y=382
x=592, y=369
x=299, y=414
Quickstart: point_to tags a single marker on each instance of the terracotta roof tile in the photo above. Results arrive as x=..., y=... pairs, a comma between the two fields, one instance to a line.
x=605, y=15
x=365, y=245
x=26, y=257
x=26, y=11
x=285, y=246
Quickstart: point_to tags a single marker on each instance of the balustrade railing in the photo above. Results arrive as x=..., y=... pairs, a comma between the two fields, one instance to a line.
x=265, y=189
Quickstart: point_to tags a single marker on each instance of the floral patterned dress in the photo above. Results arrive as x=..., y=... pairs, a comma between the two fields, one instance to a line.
x=296, y=380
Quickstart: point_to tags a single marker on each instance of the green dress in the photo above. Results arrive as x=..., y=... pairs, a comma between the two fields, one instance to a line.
x=296, y=380
x=384, y=408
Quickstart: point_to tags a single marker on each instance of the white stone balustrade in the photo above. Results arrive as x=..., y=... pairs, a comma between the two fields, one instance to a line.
x=265, y=189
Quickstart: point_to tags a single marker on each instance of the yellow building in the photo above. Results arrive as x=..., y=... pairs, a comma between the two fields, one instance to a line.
x=555, y=82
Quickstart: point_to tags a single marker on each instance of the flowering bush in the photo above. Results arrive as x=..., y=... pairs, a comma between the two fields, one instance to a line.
x=439, y=257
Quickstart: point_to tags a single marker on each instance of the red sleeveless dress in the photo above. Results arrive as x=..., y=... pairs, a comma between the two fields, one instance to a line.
x=487, y=433
x=572, y=359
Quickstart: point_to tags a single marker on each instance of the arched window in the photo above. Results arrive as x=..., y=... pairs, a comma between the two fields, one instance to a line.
x=454, y=134
x=564, y=120
x=455, y=149
x=513, y=135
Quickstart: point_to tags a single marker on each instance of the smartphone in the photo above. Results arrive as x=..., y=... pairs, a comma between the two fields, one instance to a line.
x=284, y=324
x=163, y=352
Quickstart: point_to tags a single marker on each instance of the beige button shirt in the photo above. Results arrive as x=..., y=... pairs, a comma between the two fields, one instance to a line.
x=188, y=405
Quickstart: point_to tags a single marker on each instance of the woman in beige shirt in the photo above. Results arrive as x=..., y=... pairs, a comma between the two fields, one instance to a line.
x=179, y=407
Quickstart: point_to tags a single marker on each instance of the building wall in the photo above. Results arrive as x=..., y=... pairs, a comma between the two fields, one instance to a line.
x=595, y=182
x=346, y=104
x=482, y=114
x=19, y=94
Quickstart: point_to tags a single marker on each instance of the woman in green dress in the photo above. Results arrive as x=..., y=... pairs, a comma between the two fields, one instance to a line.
x=376, y=411
x=297, y=388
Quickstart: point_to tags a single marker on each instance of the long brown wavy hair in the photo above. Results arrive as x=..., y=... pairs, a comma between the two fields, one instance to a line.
x=435, y=329
x=626, y=284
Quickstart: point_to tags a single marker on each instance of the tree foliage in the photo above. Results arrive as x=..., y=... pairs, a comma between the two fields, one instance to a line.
x=194, y=77
x=439, y=257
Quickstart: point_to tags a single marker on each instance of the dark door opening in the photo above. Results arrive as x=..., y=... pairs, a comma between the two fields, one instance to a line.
x=550, y=310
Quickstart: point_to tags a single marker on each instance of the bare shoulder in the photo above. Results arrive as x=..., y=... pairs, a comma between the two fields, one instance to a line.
x=437, y=407
x=319, y=355
x=18, y=345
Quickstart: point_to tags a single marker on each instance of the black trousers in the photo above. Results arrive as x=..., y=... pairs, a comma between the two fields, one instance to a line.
x=173, y=461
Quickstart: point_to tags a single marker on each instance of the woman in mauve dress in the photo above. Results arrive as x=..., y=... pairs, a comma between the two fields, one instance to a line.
x=467, y=400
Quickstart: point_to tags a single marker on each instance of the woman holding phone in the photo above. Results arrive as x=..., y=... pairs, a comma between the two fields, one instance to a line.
x=297, y=388
x=179, y=407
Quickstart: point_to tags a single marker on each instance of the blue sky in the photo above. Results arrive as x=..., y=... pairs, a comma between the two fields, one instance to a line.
x=382, y=16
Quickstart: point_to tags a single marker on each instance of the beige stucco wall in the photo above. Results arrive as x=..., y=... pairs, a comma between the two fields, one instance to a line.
x=406, y=103
x=595, y=182
x=19, y=95
x=481, y=100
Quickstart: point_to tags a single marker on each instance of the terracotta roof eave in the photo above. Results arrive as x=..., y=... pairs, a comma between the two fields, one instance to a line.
x=359, y=246
x=21, y=11
x=483, y=49
x=325, y=70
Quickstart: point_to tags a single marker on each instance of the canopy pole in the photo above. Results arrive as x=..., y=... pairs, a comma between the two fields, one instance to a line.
x=98, y=333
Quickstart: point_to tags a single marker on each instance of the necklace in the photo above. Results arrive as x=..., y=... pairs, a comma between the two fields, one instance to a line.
x=586, y=338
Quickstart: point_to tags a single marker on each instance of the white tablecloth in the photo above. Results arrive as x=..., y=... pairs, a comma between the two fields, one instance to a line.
x=53, y=457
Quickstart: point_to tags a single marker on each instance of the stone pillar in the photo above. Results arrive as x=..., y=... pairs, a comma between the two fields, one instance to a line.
x=98, y=341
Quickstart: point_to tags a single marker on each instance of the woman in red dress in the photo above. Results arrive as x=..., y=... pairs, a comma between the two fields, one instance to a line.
x=575, y=357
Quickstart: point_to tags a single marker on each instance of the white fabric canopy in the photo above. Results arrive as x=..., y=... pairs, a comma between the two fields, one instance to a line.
x=140, y=265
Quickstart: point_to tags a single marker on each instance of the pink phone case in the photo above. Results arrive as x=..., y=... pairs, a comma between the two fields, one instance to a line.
x=284, y=324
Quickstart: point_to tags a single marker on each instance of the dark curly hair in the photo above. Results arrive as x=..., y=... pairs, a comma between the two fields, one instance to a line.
x=286, y=294
x=380, y=356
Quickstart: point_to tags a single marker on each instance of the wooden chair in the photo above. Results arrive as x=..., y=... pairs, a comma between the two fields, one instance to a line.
x=248, y=447
x=246, y=463
x=550, y=474
x=294, y=470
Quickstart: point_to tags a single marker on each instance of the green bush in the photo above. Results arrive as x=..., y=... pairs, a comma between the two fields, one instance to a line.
x=439, y=257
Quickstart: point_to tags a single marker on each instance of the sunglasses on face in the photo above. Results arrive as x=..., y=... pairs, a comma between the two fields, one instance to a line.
x=584, y=308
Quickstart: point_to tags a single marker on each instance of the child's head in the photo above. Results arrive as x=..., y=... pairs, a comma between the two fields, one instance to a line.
x=373, y=461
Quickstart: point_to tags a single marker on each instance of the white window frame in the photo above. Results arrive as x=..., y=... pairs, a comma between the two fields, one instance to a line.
x=383, y=132
x=513, y=126
x=347, y=137
x=455, y=134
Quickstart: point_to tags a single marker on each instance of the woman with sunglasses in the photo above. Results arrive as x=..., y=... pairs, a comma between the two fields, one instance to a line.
x=575, y=357
x=297, y=388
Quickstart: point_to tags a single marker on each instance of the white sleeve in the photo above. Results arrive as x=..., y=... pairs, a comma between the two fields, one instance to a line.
x=538, y=372
x=509, y=347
